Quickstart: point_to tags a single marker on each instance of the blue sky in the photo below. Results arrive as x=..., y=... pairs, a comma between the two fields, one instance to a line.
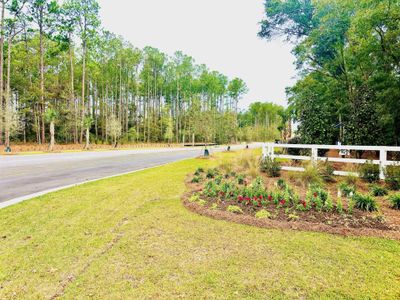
x=219, y=33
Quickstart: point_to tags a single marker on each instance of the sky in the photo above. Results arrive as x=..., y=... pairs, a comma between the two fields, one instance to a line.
x=221, y=34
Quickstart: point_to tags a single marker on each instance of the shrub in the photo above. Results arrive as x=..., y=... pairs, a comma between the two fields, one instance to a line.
x=263, y=214
x=365, y=202
x=328, y=205
x=347, y=190
x=294, y=151
x=226, y=165
x=234, y=209
x=281, y=183
x=196, y=179
x=369, y=172
x=377, y=190
x=395, y=201
x=311, y=175
x=392, y=177
x=247, y=159
x=194, y=198
x=202, y=202
x=326, y=171
x=211, y=173
x=351, y=179
x=350, y=205
x=240, y=179
x=214, y=206
x=271, y=167
x=199, y=171
x=293, y=217
x=339, y=206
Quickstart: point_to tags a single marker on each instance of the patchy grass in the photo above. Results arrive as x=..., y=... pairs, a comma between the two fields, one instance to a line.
x=130, y=237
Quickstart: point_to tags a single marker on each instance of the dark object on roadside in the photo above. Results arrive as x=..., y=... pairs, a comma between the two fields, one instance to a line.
x=8, y=150
x=206, y=153
x=229, y=148
x=247, y=146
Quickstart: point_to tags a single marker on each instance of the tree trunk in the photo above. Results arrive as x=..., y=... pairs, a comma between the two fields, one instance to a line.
x=87, y=139
x=83, y=87
x=1, y=68
x=52, y=140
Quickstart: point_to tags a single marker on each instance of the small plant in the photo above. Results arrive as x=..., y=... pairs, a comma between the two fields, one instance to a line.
x=240, y=179
x=369, y=172
x=270, y=166
x=199, y=171
x=395, y=201
x=377, y=190
x=392, y=177
x=311, y=175
x=263, y=214
x=326, y=171
x=347, y=190
x=281, y=183
x=196, y=179
x=226, y=165
x=365, y=202
x=194, y=198
x=202, y=202
x=211, y=173
x=234, y=209
x=214, y=206
x=339, y=206
x=350, y=206
x=328, y=206
x=351, y=179
x=293, y=217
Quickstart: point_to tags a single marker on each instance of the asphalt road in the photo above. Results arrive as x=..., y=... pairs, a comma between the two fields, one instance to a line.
x=25, y=175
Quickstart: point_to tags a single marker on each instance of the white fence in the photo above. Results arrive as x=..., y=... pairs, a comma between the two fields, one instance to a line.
x=269, y=150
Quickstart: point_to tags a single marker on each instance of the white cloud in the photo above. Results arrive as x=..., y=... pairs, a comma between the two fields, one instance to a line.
x=219, y=33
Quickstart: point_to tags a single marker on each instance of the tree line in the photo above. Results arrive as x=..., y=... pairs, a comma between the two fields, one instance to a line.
x=65, y=79
x=348, y=56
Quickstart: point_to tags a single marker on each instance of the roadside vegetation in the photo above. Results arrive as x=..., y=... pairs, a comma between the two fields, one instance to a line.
x=131, y=237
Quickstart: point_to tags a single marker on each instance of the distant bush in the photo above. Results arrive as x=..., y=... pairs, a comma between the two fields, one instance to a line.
x=369, y=172
x=294, y=151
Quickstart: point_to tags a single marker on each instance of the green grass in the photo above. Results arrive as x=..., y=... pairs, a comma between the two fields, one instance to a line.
x=130, y=237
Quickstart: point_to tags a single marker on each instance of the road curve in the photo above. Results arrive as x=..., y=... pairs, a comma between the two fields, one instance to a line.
x=31, y=174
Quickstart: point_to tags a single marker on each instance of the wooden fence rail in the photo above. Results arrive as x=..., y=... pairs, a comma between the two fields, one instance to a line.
x=269, y=150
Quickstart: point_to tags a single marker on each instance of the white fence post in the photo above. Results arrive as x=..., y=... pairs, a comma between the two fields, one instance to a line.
x=264, y=151
x=314, y=155
x=382, y=163
x=272, y=149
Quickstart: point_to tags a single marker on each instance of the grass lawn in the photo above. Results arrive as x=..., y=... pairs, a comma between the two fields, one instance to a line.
x=130, y=237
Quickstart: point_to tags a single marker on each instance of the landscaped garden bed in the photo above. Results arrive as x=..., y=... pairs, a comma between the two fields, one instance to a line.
x=256, y=192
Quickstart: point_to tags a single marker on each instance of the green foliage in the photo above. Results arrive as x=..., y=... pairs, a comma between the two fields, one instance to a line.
x=311, y=175
x=392, y=177
x=395, y=201
x=339, y=206
x=377, y=190
x=347, y=190
x=326, y=170
x=365, y=202
x=196, y=179
x=369, y=172
x=293, y=217
x=270, y=166
x=336, y=43
x=234, y=209
x=194, y=198
x=263, y=214
x=202, y=202
x=211, y=173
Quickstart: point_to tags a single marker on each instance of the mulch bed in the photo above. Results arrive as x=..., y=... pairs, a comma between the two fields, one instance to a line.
x=358, y=224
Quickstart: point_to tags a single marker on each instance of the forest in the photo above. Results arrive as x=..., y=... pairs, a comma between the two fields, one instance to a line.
x=65, y=79
x=348, y=60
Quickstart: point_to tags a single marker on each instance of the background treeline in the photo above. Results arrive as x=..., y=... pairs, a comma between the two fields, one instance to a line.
x=348, y=57
x=65, y=79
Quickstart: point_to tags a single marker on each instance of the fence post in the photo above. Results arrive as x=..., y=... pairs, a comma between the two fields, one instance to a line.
x=272, y=151
x=382, y=162
x=264, y=151
x=314, y=155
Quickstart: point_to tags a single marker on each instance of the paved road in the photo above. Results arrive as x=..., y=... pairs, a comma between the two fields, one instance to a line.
x=26, y=175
